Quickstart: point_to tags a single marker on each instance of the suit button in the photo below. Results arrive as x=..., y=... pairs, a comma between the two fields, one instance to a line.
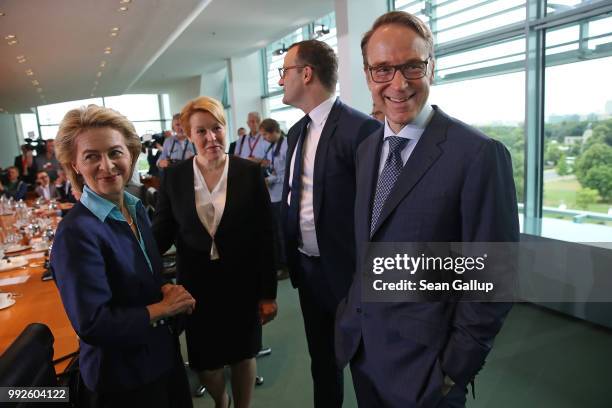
x=359, y=310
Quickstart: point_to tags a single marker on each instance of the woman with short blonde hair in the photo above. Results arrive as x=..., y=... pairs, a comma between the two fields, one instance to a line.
x=215, y=209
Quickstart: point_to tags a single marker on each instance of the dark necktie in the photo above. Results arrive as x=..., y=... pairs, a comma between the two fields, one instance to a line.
x=293, y=214
x=388, y=177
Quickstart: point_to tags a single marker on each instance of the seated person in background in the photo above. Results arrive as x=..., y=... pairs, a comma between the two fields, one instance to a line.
x=45, y=188
x=26, y=165
x=13, y=187
x=176, y=148
x=108, y=271
x=64, y=188
x=46, y=160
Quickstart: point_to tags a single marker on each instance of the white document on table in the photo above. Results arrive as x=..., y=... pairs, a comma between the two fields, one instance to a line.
x=14, y=281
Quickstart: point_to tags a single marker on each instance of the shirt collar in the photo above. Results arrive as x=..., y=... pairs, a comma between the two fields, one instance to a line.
x=414, y=129
x=101, y=207
x=319, y=114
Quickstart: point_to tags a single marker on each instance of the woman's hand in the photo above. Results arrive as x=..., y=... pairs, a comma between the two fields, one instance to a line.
x=267, y=310
x=176, y=300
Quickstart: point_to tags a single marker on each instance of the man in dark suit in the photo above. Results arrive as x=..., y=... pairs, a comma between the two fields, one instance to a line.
x=425, y=177
x=318, y=202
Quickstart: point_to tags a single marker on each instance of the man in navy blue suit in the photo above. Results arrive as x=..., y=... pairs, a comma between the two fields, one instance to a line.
x=318, y=202
x=424, y=177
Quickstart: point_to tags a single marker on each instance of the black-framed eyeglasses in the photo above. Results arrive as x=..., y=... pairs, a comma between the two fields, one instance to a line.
x=410, y=70
x=283, y=70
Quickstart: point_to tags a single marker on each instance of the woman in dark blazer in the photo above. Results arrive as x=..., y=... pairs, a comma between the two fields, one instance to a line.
x=215, y=208
x=107, y=268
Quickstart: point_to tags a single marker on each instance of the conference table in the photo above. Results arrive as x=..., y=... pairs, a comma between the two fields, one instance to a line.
x=36, y=301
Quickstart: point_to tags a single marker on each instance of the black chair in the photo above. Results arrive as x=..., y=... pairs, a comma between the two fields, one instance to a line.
x=28, y=362
x=150, y=201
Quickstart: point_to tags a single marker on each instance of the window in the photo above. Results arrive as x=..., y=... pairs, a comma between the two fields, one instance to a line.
x=481, y=57
x=452, y=20
x=498, y=114
x=149, y=114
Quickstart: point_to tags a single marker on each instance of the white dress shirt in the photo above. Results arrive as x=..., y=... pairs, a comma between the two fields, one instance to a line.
x=318, y=117
x=205, y=198
x=412, y=131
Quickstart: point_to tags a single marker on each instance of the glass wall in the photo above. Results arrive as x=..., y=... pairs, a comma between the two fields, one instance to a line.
x=577, y=191
x=150, y=114
x=481, y=78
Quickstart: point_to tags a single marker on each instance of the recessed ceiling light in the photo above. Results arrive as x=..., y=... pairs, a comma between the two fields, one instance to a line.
x=99, y=74
x=125, y=1
x=10, y=37
x=114, y=34
x=12, y=42
x=102, y=64
x=108, y=50
x=2, y=14
x=21, y=59
x=35, y=82
x=115, y=29
x=124, y=8
x=39, y=90
x=29, y=72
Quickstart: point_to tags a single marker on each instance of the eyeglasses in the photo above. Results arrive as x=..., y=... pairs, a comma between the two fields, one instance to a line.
x=283, y=70
x=410, y=70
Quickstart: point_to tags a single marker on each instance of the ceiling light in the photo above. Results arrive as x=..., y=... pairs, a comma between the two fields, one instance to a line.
x=35, y=82
x=280, y=51
x=125, y=1
x=108, y=50
x=39, y=90
x=102, y=64
x=124, y=8
x=114, y=34
x=29, y=72
x=10, y=37
x=2, y=14
x=12, y=42
x=115, y=29
x=21, y=59
x=321, y=31
x=99, y=74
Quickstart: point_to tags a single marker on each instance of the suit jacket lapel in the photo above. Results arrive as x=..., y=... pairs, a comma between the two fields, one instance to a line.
x=367, y=176
x=321, y=155
x=292, y=138
x=187, y=180
x=423, y=156
x=231, y=192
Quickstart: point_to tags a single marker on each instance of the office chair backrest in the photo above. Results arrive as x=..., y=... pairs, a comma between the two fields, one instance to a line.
x=28, y=362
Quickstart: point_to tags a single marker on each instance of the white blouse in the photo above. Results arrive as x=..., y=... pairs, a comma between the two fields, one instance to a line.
x=210, y=204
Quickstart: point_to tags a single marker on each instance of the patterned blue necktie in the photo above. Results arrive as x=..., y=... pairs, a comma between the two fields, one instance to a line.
x=388, y=176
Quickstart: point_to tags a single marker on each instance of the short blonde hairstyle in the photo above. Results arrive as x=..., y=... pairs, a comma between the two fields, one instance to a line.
x=77, y=121
x=202, y=104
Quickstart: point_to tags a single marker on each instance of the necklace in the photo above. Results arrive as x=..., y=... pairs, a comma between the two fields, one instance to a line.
x=127, y=216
